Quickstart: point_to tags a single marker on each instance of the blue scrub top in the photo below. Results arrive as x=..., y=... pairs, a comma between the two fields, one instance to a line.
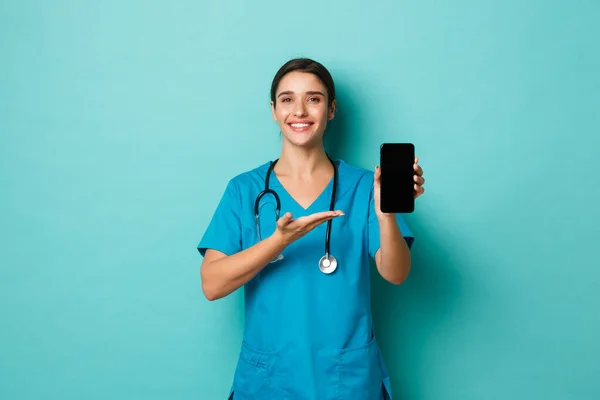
x=307, y=335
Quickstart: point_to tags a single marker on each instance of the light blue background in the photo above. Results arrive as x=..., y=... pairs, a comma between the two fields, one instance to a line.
x=121, y=122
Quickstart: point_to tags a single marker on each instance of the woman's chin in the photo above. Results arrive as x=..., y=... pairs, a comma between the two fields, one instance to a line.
x=303, y=139
x=305, y=142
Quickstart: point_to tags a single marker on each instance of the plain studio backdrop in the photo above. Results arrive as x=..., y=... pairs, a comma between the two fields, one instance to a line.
x=121, y=123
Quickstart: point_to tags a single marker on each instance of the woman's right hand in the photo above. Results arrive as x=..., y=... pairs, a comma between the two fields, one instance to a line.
x=221, y=274
x=288, y=230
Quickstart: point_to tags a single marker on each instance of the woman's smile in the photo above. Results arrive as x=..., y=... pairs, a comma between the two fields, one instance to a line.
x=300, y=126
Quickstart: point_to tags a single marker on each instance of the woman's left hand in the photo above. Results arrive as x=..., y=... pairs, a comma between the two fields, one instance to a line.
x=418, y=186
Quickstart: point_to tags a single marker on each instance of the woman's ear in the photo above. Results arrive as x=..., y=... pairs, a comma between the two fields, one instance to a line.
x=273, y=110
x=332, y=110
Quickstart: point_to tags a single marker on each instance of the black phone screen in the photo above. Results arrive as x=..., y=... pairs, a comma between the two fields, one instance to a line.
x=397, y=177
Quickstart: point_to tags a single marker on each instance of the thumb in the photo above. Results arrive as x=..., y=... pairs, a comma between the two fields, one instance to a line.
x=377, y=174
x=285, y=219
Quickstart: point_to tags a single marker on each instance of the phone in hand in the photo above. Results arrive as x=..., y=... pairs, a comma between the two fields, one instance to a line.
x=397, y=177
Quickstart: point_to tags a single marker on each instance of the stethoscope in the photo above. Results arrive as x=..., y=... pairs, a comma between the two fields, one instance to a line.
x=327, y=263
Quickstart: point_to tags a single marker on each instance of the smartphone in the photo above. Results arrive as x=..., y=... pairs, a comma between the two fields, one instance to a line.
x=397, y=177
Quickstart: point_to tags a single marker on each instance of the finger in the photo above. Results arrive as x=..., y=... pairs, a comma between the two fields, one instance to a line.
x=303, y=224
x=309, y=219
x=335, y=214
x=319, y=217
x=419, y=179
x=313, y=225
x=377, y=173
x=312, y=221
x=418, y=169
x=285, y=219
x=419, y=190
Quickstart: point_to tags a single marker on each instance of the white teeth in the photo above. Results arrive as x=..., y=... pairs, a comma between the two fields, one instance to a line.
x=300, y=125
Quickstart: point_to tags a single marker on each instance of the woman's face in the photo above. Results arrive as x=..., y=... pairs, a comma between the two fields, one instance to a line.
x=300, y=108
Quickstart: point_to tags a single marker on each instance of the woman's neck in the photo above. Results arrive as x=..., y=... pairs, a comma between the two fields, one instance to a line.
x=302, y=163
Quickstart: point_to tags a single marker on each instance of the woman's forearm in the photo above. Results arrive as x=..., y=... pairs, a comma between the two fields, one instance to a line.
x=222, y=275
x=393, y=257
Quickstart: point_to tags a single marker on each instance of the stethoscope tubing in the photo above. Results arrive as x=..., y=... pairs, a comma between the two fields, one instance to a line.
x=267, y=190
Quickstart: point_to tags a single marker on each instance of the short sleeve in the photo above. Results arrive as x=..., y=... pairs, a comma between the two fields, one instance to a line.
x=374, y=239
x=224, y=232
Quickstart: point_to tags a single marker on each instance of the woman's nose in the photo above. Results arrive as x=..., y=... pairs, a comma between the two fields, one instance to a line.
x=300, y=109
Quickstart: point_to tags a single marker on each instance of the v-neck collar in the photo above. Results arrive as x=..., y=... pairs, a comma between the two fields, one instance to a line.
x=325, y=193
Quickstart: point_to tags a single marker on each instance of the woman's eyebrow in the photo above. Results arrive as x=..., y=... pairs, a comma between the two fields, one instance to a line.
x=311, y=92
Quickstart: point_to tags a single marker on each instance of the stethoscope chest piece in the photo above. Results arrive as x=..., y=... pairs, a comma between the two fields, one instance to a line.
x=327, y=264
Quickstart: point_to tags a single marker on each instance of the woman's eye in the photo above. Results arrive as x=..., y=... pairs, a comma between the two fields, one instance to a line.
x=313, y=99
x=287, y=100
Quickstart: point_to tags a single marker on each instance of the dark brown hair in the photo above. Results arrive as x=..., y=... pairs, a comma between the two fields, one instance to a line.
x=309, y=66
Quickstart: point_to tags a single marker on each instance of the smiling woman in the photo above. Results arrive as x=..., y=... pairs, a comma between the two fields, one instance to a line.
x=294, y=293
x=303, y=100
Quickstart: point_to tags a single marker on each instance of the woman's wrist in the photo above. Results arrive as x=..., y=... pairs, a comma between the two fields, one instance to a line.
x=386, y=217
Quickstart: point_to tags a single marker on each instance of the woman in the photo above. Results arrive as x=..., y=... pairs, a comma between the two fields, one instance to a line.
x=308, y=332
